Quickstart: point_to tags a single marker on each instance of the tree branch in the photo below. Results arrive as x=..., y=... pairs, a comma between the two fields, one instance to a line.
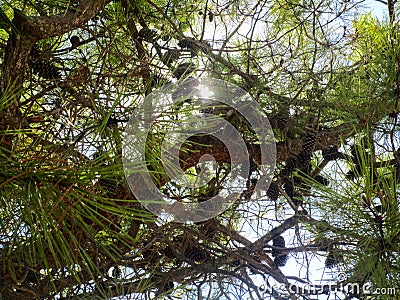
x=50, y=26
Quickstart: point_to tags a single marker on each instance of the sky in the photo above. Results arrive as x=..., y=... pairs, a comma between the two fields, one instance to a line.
x=377, y=9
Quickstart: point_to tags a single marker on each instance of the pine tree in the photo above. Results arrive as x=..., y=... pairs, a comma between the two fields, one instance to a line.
x=75, y=76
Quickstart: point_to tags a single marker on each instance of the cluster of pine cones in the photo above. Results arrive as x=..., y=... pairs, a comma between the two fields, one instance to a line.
x=294, y=186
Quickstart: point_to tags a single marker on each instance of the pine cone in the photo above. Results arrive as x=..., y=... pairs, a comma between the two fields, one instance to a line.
x=74, y=40
x=45, y=70
x=273, y=191
x=308, y=142
x=290, y=166
x=184, y=69
x=304, y=161
x=297, y=180
x=331, y=153
x=147, y=34
x=195, y=46
x=108, y=186
x=322, y=180
x=116, y=272
x=196, y=254
x=289, y=188
x=280, y=261
x=331, y=261
x=282, y=118
x=42, y=68
x=210, y=16
x=170, y=56
x=351, y=175
x=187, y=43
x=279, y=242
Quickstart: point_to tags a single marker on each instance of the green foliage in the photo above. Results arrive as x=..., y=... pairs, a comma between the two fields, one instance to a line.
x=321, y=71
x=363, y=213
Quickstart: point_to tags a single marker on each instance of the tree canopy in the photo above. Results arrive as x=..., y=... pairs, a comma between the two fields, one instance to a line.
x=325, y=73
